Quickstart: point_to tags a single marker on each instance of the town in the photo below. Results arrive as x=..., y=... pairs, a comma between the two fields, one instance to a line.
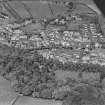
x=77, y=45
x=52, y=49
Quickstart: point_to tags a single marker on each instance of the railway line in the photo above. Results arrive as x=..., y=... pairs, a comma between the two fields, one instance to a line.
x=11, y=10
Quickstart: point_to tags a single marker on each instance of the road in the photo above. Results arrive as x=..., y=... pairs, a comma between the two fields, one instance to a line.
x=7, y=95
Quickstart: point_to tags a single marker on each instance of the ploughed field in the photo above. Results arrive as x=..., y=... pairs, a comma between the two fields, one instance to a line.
x=62, y=59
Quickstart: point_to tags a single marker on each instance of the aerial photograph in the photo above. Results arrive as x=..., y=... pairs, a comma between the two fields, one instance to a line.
x=52, y=52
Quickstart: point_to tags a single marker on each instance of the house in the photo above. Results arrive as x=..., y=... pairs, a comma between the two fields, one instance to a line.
x=45, y=43
x=85, y=58
x=97, y=45
x=1, y=39
x=15, y=37
x=23, y=37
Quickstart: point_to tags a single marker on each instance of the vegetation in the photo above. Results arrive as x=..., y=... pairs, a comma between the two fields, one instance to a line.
x=85, y=95
x=32, y=75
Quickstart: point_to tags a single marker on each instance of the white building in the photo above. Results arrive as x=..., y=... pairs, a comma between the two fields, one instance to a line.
x=15, y=37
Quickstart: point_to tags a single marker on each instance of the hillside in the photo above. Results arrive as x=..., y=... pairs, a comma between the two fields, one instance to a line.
x=53, y=50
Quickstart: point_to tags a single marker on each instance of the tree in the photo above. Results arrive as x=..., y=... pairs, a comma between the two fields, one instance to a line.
x=85, y=94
